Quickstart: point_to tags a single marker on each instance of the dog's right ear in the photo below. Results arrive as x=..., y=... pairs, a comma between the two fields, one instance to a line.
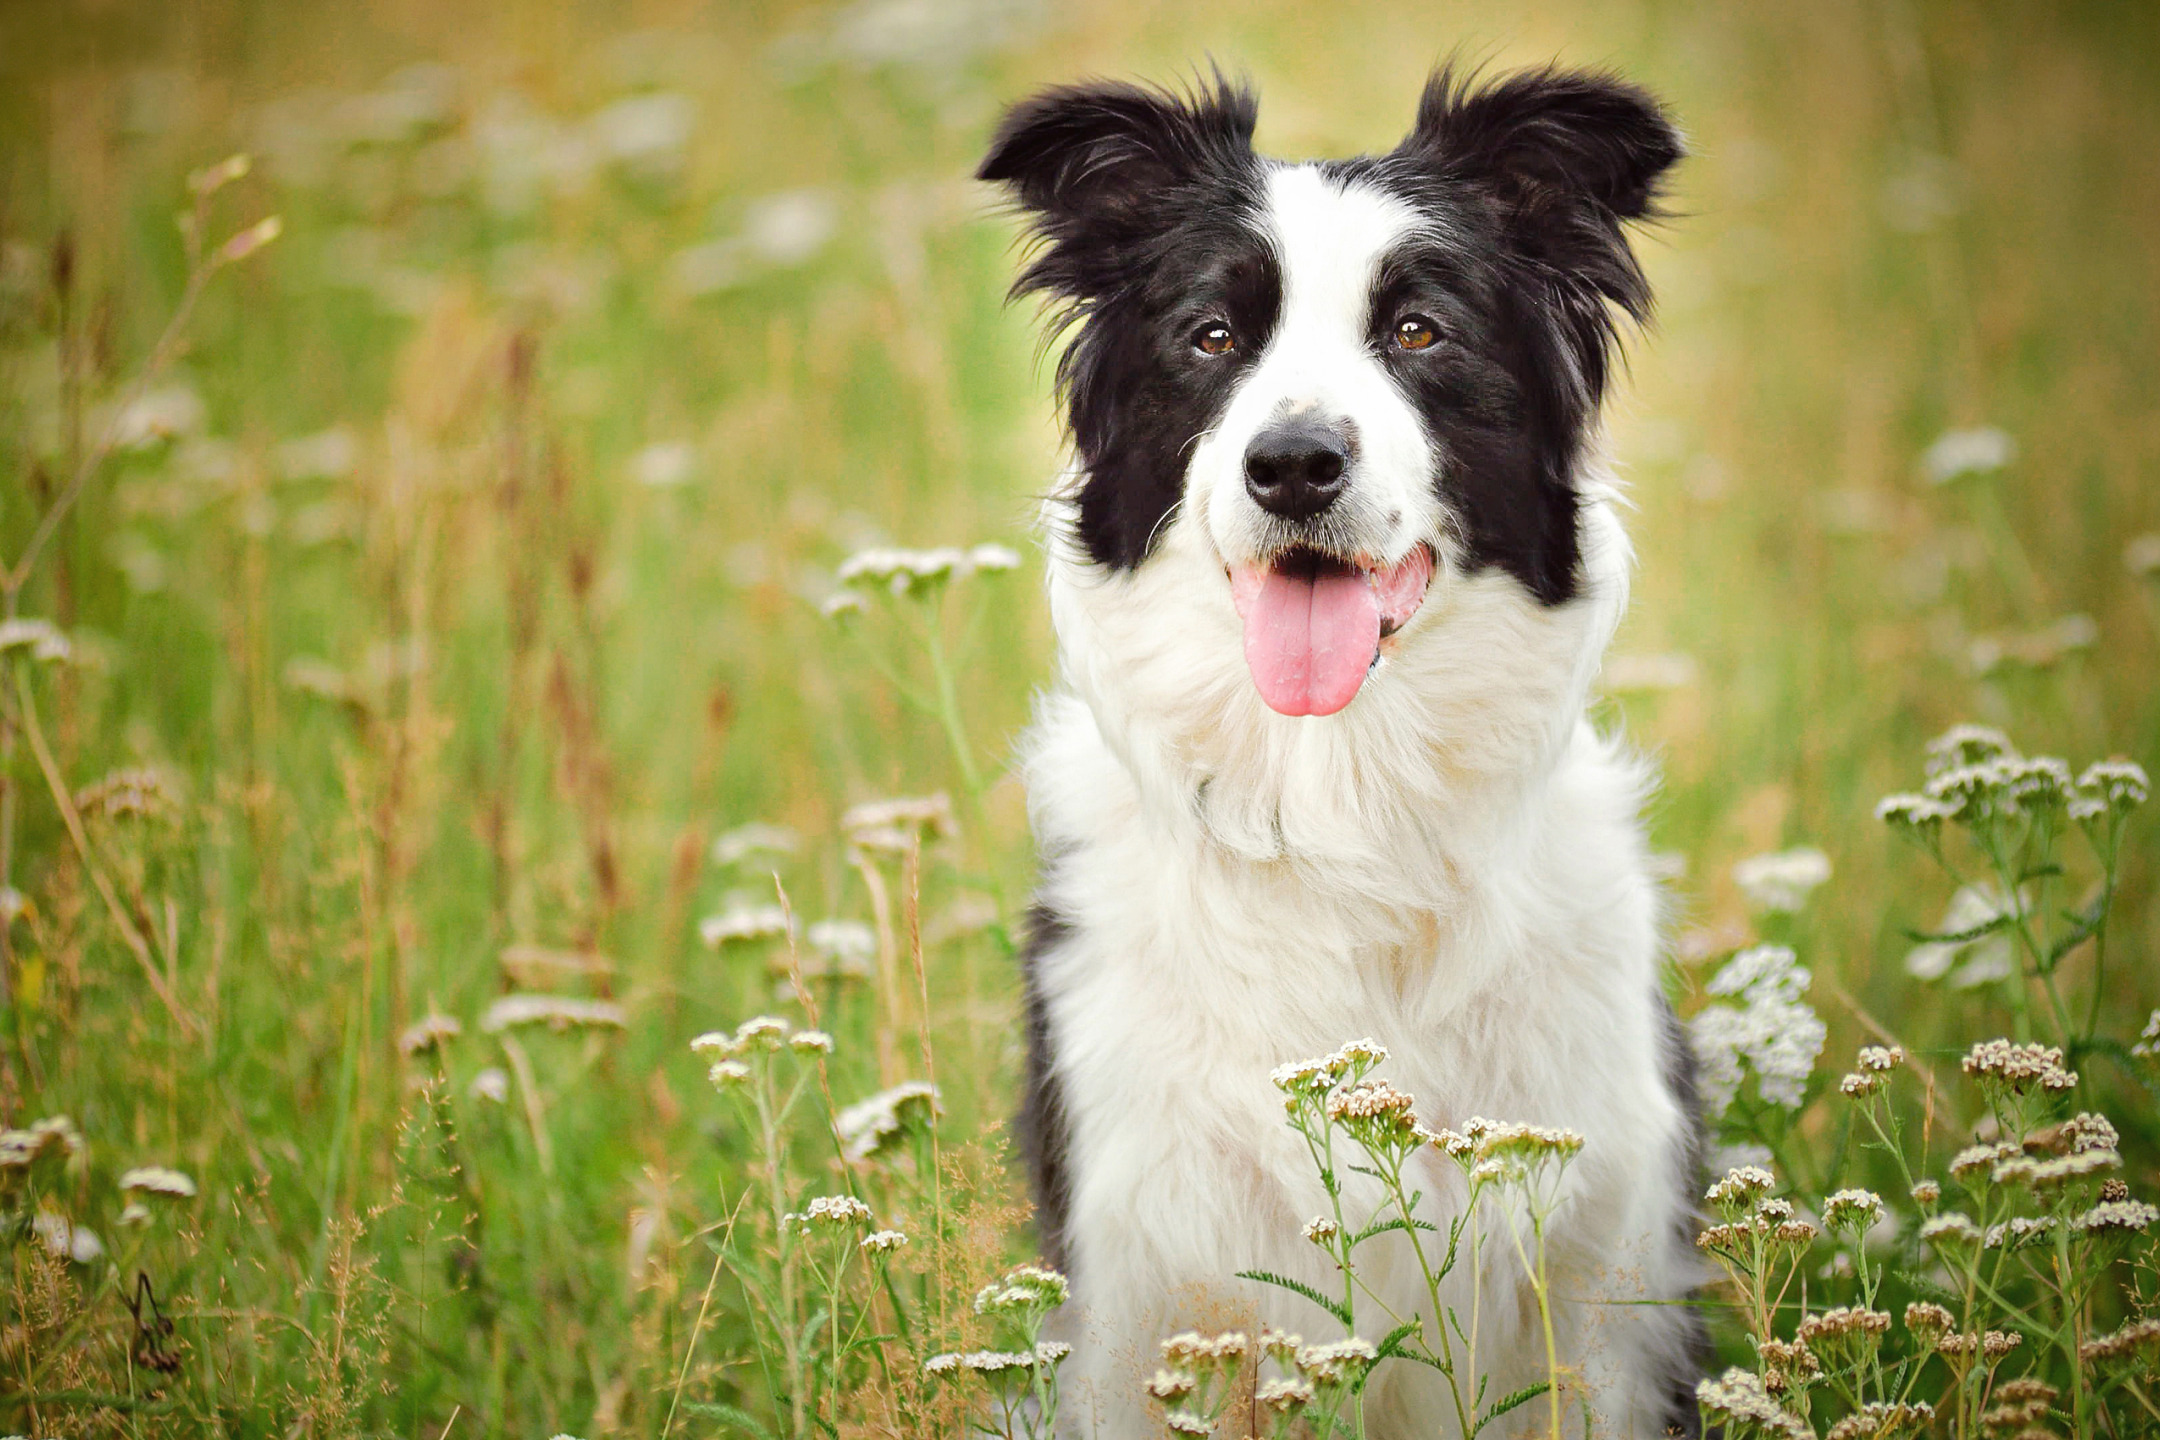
x=1088, y=160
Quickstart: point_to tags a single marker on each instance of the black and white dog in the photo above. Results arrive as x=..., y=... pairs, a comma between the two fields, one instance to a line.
x=1331, y=574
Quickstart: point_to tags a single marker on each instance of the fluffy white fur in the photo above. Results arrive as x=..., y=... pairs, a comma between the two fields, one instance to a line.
x=1453, y=865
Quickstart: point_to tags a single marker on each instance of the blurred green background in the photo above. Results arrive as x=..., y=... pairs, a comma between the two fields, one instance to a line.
x=459, y=580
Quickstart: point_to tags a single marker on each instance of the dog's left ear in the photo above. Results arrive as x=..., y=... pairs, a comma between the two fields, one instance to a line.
x=1568, y=155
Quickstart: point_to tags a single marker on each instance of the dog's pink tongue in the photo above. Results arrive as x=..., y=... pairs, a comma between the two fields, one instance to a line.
x=1308, y=639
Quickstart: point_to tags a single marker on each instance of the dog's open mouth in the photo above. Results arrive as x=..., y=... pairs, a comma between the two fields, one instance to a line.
x=1314, y=623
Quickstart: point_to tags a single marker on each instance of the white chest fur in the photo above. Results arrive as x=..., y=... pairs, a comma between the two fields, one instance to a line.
x=1453, y=867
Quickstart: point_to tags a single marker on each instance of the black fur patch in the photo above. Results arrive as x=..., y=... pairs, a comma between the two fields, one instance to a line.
x=1147, y=205
x=1682, y=1415
x=1041, y=1127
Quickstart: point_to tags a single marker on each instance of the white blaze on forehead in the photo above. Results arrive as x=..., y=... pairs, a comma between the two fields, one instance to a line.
x=1329, y=239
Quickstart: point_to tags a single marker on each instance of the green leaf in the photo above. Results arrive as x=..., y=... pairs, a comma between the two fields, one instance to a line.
x=1381, y=1227
x=1961, y=937
x=1393, y=1342
x=1299, y=1287
x=1509, y=1402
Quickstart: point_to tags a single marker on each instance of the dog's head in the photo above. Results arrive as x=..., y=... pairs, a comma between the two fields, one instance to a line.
x=1355, y=379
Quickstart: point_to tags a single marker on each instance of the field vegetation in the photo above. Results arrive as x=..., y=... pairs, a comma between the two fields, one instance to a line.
x=430, y=739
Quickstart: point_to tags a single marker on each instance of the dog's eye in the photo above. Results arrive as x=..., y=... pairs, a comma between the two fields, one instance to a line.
x=1214, y=338
x=1414, y=332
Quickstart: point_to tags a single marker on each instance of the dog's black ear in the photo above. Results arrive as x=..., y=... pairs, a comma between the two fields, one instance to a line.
x=1091, y=160
x=1568, y=155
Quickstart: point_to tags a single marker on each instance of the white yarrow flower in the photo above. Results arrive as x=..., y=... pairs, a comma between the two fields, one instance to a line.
x=1784, y=880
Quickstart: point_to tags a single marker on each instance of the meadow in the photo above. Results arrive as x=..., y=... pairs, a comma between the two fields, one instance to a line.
x=425, y=712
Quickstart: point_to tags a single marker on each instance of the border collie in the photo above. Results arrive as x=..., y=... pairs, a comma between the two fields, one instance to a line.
x=1331, y=573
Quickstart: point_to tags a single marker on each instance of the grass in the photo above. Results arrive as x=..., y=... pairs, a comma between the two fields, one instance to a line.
x=452, y=678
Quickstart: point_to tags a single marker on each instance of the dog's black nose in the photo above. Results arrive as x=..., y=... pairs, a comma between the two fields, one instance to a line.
x=1294, y=468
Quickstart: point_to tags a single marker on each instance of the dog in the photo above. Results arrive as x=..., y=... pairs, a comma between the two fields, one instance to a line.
x=1331, y=572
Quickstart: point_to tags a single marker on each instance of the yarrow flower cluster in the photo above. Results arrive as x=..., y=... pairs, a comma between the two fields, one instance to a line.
x=1771, y=1031
x=1782, y=881
x=917, y=572
x=53, y=1135
x=2016, y=1069
x=1874, y=1063
x=1029, y=1290
x=829, y=1212
x=1741, y=1396
x=1884, y=1420
x=1315, y=1078
x=1853, y=1210
x=871, y=1127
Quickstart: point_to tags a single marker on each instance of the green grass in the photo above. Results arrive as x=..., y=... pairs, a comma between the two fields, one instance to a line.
x=564, y=683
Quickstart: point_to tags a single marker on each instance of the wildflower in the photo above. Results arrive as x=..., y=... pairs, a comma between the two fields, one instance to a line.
x=1184, y=1422
x=1975, y=912
x=2016, y=1069
x=878, y=1242
x=727, y=1074
x=1973, y=451
x=917, y=572
x=1928, y=1321
x=981, y=1362
x=1741, y=1395
x=1284, y=1395
x=492, y=1084
x=1843, y=1323
x=1190, y=1347
x=1949, y=1229
x=138, y=794
x=869, y=1127
x=828, y=1211
x=1377, y=1115
x=1773, y=1031
x=1740, y=1188
x=1860, y=1084
x=1303, y=1077
x=1169, y=1386
x=428, y=1032
x=557, y=1012
x=2052, y=1174
x=2116, y=1217
x=166, y=413
x=1322, y=1231
x=1971, y=793
x=1926, y=1192
x=1880, y=1059
x=2020, y=1403
x=1883, y=1420
x=898, y=825
x=65, y=1240
x=1784, y=1362
x=810, y=1042
x=1918, y=813
x=840, y=605
x=2119, y=1344
x=1976, y=1160
x=157, y=1180
x=1025, y=1290
x=1996, y=1344
x=1782, y=881
x=2141, y=556
x=755, y=839
x=135, y=1213
x=743, y=922
x=55, y=1134
x=2087, y=1131
x=2148, y=1041
x=1966, y=744
x=848, y=945
x=1336, y=1363
x=2018, y=1231
x=39, y=637
x=1853, y=1210
x=2110, y=787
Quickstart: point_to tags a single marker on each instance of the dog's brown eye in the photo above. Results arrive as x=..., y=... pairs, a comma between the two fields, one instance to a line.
x=1214, y=338
x=1414, y=332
